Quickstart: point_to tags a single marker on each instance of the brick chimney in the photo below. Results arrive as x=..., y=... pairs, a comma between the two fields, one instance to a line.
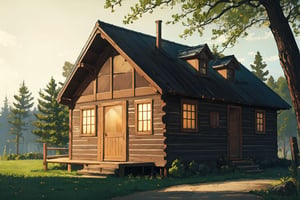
x=158, y=34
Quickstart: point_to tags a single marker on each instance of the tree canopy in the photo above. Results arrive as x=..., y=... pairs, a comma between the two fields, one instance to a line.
x=232, y=19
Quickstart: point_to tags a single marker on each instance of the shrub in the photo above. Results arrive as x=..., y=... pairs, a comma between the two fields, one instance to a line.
x=177, y=169
x=11, y=156
x=26, y=156
x=20, y=157
x=193, y=168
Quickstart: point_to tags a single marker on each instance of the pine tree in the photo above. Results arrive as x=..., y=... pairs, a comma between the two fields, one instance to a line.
x=271, y=83
x=67, y=68
x=19, y=112
x=258, y=67
x=52, y=119
x=4, y=126
x=5, y=108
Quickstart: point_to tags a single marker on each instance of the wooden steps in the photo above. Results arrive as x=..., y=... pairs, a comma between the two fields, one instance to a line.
x=110, y=168
x=99, y=170
x=247, y=166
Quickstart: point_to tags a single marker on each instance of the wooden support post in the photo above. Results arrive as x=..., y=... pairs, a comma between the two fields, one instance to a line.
x=152, y=171
x=121, y=170
x=165, y=172
x=45, y=164
x=69, y=168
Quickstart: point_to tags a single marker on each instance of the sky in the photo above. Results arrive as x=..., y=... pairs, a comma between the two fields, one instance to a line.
x=38, y=36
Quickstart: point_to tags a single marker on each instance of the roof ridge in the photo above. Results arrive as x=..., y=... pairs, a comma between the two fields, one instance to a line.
x=145, y=34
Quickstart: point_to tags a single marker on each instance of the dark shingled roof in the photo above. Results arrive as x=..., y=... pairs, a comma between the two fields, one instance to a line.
x=173, y=75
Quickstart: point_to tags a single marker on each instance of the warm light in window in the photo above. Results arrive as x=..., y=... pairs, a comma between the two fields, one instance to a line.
x=189, y=116
x=144, y=117
x=260, y=122
x=88, y=122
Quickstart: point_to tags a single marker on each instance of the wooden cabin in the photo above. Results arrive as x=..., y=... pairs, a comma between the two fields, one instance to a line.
x=137, y=98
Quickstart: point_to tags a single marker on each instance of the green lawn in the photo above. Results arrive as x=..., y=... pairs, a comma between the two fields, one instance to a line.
x=25, y=179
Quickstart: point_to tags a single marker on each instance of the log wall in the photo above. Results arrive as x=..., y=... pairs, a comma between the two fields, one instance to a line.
x=259, y=146
x=206, y=144
x=141, y=147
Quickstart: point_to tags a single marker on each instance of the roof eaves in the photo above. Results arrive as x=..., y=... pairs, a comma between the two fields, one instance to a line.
x=76, y=65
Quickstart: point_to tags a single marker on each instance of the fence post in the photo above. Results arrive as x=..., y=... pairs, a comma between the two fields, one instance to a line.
x=45, y=157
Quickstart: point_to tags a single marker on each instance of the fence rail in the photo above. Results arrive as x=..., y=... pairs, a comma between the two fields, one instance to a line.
x=48, y=157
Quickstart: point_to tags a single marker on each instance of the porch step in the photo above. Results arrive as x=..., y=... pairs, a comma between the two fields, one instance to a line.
x=101, y=169
x=247, y=166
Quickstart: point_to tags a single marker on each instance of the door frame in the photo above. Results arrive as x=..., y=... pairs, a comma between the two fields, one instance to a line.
x=100, y=124
x=229, y=107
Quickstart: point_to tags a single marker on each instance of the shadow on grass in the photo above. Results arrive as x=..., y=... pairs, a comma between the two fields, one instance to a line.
x=47, y=187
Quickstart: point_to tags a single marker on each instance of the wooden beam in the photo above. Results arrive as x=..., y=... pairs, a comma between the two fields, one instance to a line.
x=70, y=137
x=45, y=164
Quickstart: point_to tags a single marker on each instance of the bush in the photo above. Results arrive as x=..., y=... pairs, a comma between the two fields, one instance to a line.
x=177, y=169
x=11, y=156
x=26, y=156
x=193, y=168
x=20, y=157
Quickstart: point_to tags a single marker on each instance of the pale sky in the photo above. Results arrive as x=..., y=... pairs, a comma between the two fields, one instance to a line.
x=38, y=36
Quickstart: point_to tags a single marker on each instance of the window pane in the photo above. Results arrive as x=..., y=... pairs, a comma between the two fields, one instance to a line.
x=189, y=116
x=140, y=126
x=140, y=116
x=120, y=65
x=144, y=117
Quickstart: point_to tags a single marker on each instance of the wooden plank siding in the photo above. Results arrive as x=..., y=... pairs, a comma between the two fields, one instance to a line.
x=206, y=144
x=147, y=147
x=141, y=147
x=259, y=146
x=83, y=147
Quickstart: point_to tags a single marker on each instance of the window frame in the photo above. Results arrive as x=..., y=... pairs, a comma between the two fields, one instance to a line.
x=136, y=104
x=263, y=112
x=203, y=67
x=81, y=120
x=189, y=102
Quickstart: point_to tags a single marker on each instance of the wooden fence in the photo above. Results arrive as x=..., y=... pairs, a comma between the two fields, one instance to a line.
x=47, y=157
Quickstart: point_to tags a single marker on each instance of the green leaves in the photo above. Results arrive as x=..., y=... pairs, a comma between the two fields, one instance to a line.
x=232, y=17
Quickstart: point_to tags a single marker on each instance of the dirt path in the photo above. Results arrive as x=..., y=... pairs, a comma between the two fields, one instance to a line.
x=232, y=190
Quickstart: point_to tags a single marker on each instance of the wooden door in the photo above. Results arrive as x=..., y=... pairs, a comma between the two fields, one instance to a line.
x=234, y=133
x=114, y=132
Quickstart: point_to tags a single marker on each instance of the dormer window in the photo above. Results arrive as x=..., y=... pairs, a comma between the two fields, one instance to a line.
x=200, y=65
x=203, y=67
x=230, y=74
x=197, y=57
x=226, y=67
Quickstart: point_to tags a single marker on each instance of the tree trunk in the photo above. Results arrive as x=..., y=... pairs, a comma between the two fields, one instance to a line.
x=17, y=143
x=288, y=50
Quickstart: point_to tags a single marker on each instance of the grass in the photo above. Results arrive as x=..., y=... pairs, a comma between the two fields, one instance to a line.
x=25, y=179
